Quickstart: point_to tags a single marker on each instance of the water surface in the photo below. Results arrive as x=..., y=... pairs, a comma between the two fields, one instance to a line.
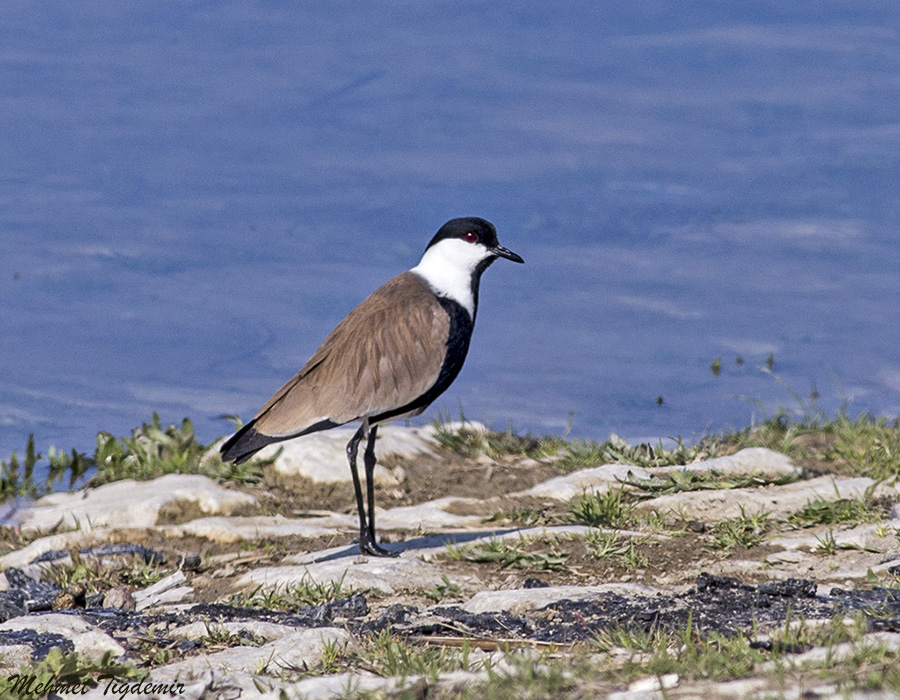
x=193, y=194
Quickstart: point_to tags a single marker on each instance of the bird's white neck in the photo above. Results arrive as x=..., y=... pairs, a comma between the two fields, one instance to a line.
x=449, y=267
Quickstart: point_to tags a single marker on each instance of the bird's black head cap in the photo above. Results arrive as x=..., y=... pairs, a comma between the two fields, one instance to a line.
x=476, y=231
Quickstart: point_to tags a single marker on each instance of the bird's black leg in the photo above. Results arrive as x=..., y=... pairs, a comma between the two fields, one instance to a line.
x=352, y=448
x=369, y=460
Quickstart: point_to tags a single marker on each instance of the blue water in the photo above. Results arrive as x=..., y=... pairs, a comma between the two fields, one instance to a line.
x=193, y=193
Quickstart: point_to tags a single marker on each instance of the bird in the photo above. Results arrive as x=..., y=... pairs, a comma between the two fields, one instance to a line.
x=389, y=359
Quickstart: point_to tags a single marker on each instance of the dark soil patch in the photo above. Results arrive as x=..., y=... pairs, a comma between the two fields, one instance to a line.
x=716, y=604
x=426, y=478
x=674, y=560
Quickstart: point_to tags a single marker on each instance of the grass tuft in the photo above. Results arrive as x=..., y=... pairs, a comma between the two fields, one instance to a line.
x=497, y=551
x=291, y=597
x=468, y=440
x=843, y=510
x=17, y=480
x=747, y=531
x=610, y=508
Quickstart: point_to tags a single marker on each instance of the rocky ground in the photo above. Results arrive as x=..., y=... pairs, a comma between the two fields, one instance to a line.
x=525, y=569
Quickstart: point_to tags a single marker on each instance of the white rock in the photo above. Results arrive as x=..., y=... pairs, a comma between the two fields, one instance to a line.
x=76, y=539
x=750, y=460
x=128, y=503
x=435, y=546
x=362, y=684
x=87, y=639
x=354, y=573
x=854, y=538
x=595, y=480
x=522, y=600
x=13, y=658
x=299, y=649
x=747, y=688
x=237, y=528
x=431, y=515
x=348, y=685
x=269, y=631
x=839, y=652
x=723, y=504
x=322, y=456
x=669, y=680
x=165, y=591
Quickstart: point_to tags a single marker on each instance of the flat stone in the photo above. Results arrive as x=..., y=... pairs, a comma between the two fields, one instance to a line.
x=855, y=538
x=237, y=528
x=787, y=557
x=750, y=460
x=14, y=657
x=839, y=652
x=269, y=631
x=522, y=600
x=723, y=504
x=129, y=503
x=322, y=456
x=76, y=539
x=349, y=685
x=429, y=552
x=165, y=591
x=431, y=515
x=595, y=480
x=87, y=639
x=299, y=649
x=361, y=684
x=354, y=573
x=652, y=683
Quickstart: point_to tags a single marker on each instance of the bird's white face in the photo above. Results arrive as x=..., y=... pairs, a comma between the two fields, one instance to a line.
x=448, y=267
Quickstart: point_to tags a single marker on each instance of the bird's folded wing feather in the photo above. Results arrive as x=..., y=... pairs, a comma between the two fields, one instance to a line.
x=386, y=353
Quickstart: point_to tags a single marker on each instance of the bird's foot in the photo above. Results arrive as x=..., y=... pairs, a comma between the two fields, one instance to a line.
x=368, y=545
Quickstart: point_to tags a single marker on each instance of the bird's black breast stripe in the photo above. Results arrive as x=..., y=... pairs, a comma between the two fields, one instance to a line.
x=460, y=334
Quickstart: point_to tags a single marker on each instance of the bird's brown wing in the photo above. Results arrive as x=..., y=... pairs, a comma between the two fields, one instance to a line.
x=386, y=353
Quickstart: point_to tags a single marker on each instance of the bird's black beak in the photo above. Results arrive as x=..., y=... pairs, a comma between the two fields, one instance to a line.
x=502, y=252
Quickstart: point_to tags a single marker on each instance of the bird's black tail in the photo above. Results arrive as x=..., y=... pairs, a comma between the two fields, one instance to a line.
x=245, y=443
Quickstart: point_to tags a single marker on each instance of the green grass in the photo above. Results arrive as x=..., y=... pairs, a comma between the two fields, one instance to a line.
x=97, y=577
x=445, y=590
x=528, y=678
x=622, y=550
x=17, y=479
x=852, y=511
x=392, y=656
x=680, y=481
x=584, y=454
x=861, y=446
x=526, y=517
x=291, y=597
x=570, y=454
x=218, y=637
x=515, y=556
x=60, y=669
x=474, y=442
x=388, y=654
x=153, y=450
x=747, y=530
x=611, y=508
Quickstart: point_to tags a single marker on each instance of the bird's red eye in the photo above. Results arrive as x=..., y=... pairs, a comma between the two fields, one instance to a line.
x=471, y=237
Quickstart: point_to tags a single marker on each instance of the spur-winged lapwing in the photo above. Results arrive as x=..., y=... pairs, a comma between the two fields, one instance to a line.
x=390, y=358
